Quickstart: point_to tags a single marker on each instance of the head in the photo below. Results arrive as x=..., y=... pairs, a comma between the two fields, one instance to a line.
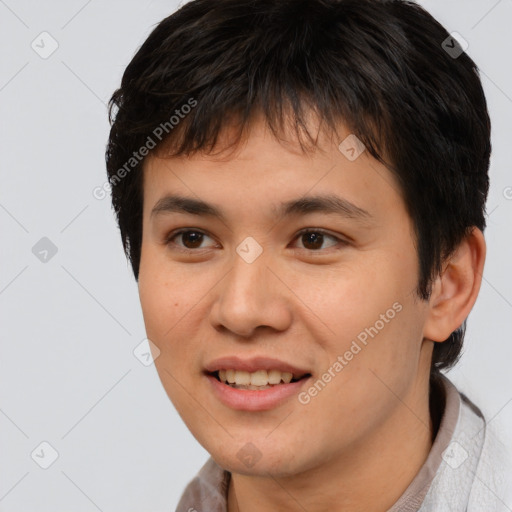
x=248, y=105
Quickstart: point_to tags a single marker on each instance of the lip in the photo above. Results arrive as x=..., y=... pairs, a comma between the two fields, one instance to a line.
x=253, y=364
x=253, y=400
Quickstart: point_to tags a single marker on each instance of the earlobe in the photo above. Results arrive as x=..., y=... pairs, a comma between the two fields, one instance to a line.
x=455, y=291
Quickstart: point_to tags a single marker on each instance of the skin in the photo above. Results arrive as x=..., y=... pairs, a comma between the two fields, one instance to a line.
x=358, y=444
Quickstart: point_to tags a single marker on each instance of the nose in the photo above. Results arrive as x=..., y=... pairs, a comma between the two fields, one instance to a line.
x=251, y=295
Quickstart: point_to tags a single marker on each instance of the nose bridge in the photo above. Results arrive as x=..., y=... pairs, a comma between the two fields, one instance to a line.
x=247, y=288
x=249, y=271
x=246, y=279
x=250, y=295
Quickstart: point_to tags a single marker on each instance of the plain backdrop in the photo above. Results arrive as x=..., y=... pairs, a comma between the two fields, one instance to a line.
x=71, y=318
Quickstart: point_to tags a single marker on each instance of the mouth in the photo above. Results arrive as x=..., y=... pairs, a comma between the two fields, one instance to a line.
x=255, y=384
x=258, y=380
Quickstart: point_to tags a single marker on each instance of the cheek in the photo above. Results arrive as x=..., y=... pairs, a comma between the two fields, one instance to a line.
x=167, y=308
x=155, y=303
x=170, y=297
x=163, y=290
x=351, y=301
x=372, y=318
x=162, y=301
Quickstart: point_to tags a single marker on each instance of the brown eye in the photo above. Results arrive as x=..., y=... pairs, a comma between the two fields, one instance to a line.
x=313, y=239
x=191, y=239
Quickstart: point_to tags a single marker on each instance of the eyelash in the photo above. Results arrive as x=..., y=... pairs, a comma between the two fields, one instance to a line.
x=175, y=234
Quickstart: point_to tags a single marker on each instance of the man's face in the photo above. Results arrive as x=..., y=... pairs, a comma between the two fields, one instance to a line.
x=336, y=303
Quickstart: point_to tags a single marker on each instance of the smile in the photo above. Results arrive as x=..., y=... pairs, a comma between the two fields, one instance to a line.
x=258, y=380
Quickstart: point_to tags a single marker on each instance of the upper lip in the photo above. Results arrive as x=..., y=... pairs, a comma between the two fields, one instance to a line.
x=253, y=364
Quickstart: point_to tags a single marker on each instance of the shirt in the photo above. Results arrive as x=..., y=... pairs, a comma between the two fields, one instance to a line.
x=463, y=471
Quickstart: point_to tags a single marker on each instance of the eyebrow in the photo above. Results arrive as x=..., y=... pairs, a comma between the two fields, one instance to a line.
x=330, y=204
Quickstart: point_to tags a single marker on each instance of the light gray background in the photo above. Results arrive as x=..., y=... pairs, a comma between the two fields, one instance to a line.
x=69, y=326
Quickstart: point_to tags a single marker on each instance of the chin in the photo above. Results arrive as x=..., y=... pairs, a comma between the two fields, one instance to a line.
x=249, y=460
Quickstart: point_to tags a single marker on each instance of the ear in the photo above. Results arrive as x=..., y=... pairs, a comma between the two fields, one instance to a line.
x=455, y=290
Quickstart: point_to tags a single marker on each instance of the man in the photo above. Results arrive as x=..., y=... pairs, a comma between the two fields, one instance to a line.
x=300, y=187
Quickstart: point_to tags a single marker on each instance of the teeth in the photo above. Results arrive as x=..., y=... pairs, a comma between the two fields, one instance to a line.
x=257, y=379
x=274, y=377
x=242, y=378
x=287, y=377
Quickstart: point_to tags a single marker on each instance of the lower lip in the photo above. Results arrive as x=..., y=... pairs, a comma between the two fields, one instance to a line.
x=254, y=400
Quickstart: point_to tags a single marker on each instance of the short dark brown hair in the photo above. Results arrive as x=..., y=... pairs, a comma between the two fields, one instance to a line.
x=381, y=67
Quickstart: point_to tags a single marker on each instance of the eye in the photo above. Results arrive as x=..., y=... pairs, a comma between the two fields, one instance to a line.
x=313, y=239
x=191, y=238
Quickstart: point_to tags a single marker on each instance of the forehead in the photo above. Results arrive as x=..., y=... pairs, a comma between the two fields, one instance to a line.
x=276, y=174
